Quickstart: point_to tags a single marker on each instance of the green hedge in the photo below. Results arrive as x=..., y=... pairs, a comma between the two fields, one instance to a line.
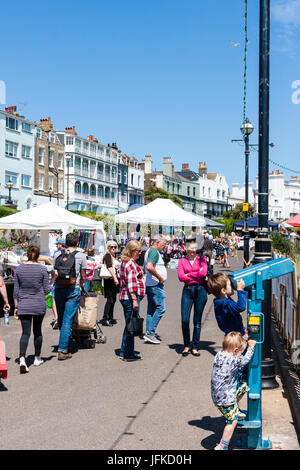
x=4, y=211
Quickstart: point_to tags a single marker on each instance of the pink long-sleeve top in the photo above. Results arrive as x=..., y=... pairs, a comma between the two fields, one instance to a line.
x=192, y=274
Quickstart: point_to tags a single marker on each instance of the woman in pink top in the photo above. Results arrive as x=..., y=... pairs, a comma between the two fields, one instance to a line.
x=192, y=270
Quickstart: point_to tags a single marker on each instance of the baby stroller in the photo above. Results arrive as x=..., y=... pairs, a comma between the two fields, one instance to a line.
x=86, y=329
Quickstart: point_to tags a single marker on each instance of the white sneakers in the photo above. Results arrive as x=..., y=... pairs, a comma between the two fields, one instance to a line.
x=38, y=362
x=23, y=366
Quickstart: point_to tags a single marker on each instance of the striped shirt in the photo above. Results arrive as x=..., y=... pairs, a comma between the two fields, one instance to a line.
x=31, y=284
x=131, y=280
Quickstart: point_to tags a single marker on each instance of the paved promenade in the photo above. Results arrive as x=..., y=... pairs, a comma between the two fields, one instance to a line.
x=96, y=401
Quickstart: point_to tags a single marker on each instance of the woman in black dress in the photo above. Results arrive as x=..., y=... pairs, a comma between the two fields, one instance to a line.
x=31, y=285
x=111, y=285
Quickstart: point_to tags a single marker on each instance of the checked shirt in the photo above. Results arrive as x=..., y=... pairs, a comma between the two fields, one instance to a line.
x=131, y=280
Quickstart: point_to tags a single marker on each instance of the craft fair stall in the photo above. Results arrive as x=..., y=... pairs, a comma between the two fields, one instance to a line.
x=41, y=225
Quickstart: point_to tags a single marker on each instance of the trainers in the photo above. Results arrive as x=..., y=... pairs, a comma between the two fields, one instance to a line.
x=157, y=337
x=219, y=447
x=151, y=339
x=23, y=367
x=54, y=324
x=241, y=415
x=63, y=356
x=38, y=362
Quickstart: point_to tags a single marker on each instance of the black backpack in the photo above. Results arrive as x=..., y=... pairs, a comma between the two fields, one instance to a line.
x=65, y=266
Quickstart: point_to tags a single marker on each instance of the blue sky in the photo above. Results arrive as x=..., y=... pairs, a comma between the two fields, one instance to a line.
x=158, y=77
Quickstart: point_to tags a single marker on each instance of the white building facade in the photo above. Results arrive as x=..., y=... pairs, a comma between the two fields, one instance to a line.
x=17, y=139
x=91, y=172
x=284, y=196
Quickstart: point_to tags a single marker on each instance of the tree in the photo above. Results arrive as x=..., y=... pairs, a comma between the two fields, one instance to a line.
x=237, y=212
x=152, y=192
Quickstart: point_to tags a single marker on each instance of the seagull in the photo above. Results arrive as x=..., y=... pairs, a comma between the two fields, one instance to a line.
x=234, y=44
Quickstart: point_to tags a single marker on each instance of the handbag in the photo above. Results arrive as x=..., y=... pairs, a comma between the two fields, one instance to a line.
x=134, y=325
x=104, y=272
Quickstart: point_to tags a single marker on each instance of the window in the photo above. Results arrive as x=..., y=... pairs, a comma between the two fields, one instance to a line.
x=38, y=133
x=60, y=185
x=41, y=181
x=26, y=181
x=26, y=151
x=77, y=187
x=78, y=144
x=12, y=124
x=50, y=181
x=218, y=194
x=93, y=190
x=139, y=181
x=60, y=160
x=26, y=127
x=132, y=180
x=100, y=150
x=13, y=177
x=70, y=140
x=52, y=137
x=188, y=190
x=41, y=156
x=51, y=158
x=194, y=192
x=11, y=149
x=93, y=148
x=85, y=146
x=119, y=176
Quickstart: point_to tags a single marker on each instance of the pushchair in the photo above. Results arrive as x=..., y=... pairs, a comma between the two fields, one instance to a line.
x=86, y=329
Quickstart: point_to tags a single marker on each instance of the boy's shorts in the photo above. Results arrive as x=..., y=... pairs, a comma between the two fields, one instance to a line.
x=231, y=413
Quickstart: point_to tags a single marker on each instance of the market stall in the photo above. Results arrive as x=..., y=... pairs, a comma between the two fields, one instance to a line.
x=161, y=212
x=42, y=220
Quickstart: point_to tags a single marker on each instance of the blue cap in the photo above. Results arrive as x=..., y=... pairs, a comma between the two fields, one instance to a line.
x=61, y=240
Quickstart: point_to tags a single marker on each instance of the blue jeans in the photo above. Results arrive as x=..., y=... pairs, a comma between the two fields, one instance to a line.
x=127, y=346
x=67, y=301
x=197, y=296
x=87, y=285
x=156, y=307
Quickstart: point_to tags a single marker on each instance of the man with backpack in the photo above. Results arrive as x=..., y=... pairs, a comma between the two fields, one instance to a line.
x=69, y=276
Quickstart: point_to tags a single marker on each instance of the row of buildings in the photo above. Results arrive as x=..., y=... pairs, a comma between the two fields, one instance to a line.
x=40, y=163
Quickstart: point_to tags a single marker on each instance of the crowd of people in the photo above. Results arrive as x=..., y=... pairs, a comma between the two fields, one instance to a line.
x=140, y=274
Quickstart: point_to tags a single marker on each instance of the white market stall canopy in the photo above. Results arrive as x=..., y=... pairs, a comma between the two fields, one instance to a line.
x=48, y=216
x=161, y=212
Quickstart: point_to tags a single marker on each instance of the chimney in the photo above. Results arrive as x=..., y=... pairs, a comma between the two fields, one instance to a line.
x=168, y=167
x=185, y=167
x=11, y=110
x=148, y=164
x=71, y=130
x=91, y=137
x=202, y=168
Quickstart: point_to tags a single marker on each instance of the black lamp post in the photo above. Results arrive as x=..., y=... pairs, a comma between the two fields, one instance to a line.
x=246, y=129
x=263, y=244
x=51, y=193
x=68, y=159
x=9, y=185
x=56, y=173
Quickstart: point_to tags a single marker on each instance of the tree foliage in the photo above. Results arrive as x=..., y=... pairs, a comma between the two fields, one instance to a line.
x=237, y=212
x=152, y=192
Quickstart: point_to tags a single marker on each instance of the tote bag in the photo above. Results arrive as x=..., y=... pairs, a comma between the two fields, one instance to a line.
x=86, y=316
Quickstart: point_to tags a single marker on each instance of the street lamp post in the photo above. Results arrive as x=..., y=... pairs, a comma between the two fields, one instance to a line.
x=56, y=173
x=50, y=192
x=246, y=129
x=9, y=185
x=68, y=159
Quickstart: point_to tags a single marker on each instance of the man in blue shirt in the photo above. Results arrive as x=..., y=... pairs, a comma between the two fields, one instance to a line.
x=227, y=311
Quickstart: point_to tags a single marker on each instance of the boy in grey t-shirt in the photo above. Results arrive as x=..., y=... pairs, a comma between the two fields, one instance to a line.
x=226, y=390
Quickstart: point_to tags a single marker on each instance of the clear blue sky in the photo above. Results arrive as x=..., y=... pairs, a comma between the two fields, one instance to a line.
x=158, y=77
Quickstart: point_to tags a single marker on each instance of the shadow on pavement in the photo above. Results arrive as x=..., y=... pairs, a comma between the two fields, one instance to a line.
x=210, y=424
x=204, y=346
